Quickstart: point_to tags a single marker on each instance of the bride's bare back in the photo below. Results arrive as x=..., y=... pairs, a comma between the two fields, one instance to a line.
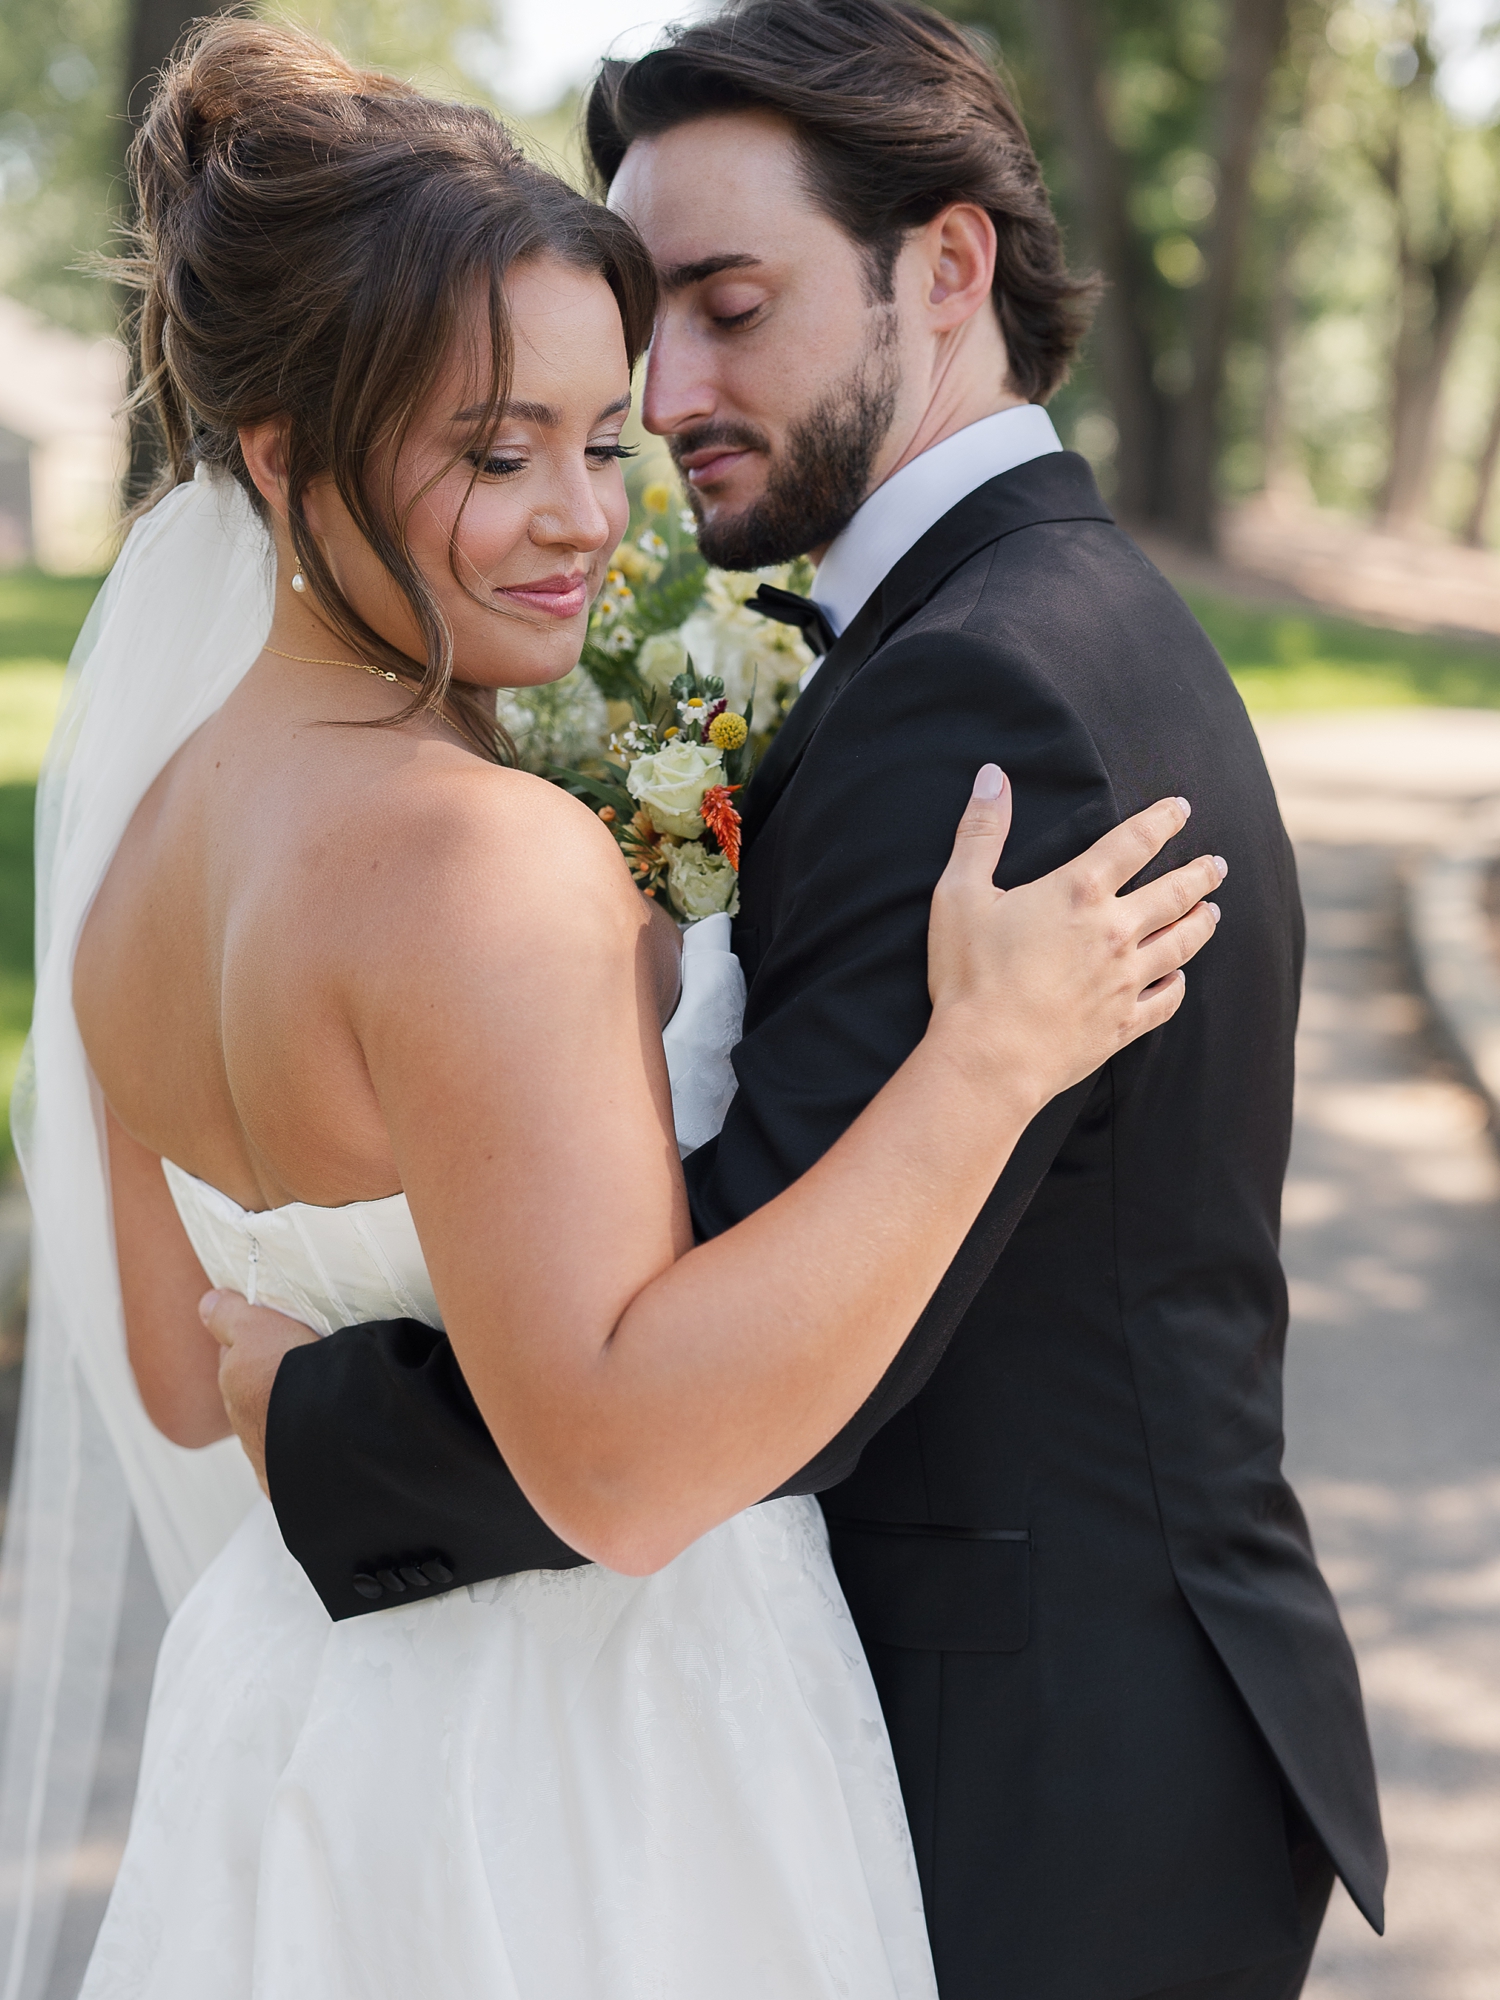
x=279, y=874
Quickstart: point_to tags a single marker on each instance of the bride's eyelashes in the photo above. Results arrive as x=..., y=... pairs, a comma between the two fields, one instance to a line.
x=499, y=465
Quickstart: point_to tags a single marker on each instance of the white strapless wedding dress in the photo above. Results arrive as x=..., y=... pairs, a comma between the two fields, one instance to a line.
x=566, y=1785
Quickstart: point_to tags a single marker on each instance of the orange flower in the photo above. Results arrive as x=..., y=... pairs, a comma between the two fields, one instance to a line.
x=722, y=821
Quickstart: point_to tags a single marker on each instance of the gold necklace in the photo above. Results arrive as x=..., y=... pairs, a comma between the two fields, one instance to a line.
x=380, y=673
x=307, y=660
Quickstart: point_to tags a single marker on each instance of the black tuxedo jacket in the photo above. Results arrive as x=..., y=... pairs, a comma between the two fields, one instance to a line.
x=1112, y=1673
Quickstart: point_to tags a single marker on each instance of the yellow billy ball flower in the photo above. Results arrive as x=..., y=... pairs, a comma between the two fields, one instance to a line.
x=727, y=731
x=657, y=497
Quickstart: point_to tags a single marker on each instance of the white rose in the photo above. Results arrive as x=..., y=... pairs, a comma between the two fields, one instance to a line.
x=670, y=784
x=661, y=659
x=702, y=884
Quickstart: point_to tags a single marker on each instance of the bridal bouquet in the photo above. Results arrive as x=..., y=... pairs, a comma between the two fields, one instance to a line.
x=668, y=794
x=679, y=691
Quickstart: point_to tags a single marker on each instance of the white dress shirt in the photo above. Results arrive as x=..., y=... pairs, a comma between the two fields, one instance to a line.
x=898, y=514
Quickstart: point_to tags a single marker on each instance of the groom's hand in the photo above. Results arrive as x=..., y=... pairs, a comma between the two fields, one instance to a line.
x=252, y=1341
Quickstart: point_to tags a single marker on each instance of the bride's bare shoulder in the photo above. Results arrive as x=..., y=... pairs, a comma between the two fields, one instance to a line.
x=473, y=851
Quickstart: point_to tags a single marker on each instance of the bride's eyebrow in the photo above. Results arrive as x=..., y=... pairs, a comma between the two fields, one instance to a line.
x=547, y=415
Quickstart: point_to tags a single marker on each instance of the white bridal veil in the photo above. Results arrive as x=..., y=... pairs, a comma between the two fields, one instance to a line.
x=181, y=617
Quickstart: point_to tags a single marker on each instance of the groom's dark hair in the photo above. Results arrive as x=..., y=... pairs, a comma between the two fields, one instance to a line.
x=896, y=113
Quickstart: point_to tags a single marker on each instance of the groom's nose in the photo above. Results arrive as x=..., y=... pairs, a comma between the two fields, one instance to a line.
x=681, y=388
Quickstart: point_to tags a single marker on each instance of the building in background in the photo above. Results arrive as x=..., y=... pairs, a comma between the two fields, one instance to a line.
x=61, y=444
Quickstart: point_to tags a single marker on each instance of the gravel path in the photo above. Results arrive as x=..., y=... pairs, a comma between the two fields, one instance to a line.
x=1393, y=1383
x=1392, y=1243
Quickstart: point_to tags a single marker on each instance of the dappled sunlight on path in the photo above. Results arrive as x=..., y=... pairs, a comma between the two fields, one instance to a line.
x=1392, y=1244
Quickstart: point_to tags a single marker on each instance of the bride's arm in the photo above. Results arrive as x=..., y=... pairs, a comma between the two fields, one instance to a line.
x=642, y=1390
x=161, y=1282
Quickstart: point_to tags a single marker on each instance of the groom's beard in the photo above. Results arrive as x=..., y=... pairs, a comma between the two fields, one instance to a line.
x=819, y=480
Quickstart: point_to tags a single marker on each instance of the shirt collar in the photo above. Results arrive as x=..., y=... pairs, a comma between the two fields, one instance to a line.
x=898, y=514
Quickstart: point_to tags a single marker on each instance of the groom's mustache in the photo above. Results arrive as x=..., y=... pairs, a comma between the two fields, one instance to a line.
x=733, y=437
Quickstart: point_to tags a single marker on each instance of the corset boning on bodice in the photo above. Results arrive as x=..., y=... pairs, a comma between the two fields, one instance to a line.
x=328, y=1267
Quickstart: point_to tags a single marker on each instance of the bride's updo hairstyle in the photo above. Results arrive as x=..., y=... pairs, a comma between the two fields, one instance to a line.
x=311, y=240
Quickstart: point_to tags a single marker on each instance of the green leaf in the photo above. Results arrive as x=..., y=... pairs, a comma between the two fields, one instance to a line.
x=600, y=790
x=671, y=599
x=614, y=674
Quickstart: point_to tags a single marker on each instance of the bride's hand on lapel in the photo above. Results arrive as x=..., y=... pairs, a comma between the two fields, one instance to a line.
x=252, y=1342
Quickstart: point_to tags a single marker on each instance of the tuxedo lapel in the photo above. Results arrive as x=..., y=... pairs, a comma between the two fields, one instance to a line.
x=1057, y=487
x=849, y=652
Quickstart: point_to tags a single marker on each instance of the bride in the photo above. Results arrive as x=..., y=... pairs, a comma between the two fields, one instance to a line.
x=357, y=1017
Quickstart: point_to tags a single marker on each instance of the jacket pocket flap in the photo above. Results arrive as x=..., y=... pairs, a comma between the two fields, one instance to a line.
x=934, y=1589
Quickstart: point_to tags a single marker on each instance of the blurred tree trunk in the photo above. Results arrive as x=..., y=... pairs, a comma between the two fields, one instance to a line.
x=1484, y=481
x=1435, y=294
x=152, y=31
x=1281, y=319
x=1445, y=232
x=1168, y=442
x=1065, y=33
x=1256, y=32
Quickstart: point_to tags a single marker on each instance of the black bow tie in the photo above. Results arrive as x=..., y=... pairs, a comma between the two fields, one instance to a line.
x=787, y=608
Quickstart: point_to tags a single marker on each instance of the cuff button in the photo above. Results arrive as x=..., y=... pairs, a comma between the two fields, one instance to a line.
x=436, y=1571
x=367, y=1586
x=391, y=1582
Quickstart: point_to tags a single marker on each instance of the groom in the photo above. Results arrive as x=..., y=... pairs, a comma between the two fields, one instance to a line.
x=1126, y=1719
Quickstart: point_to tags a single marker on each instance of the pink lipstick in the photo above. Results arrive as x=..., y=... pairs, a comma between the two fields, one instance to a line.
x=562, y=595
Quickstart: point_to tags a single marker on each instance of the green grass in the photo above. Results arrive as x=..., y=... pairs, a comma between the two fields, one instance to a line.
x=1289, y=660
x=39, y=620
x=40, y=615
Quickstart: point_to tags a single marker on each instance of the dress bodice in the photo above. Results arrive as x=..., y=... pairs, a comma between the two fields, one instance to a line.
x=329, y=1267
x=337, y=1267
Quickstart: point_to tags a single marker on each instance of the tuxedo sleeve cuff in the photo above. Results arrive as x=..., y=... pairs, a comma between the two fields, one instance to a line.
x=386, y=1483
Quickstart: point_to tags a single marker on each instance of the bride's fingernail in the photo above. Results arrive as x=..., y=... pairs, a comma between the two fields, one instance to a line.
x=1222, y=865
x=990, y=783
x=1213, y=911
x=206, y=1306
x=1186, y=808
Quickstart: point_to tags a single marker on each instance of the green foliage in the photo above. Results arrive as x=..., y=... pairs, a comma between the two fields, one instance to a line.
x=659, y=606
x=17, y=804
x=448, y=47
x=40, y=615
x=1289, y=660
x=63, y=129
x=673, y=597
x=39, y=620
x=1307, y=403
x=1160, y=61
x=62, y=145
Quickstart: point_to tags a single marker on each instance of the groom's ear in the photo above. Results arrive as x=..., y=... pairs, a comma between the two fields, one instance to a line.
x=957, y=249
x=263, y=447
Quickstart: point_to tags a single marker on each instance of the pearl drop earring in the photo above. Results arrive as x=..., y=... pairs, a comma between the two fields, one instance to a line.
x=299, y=581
